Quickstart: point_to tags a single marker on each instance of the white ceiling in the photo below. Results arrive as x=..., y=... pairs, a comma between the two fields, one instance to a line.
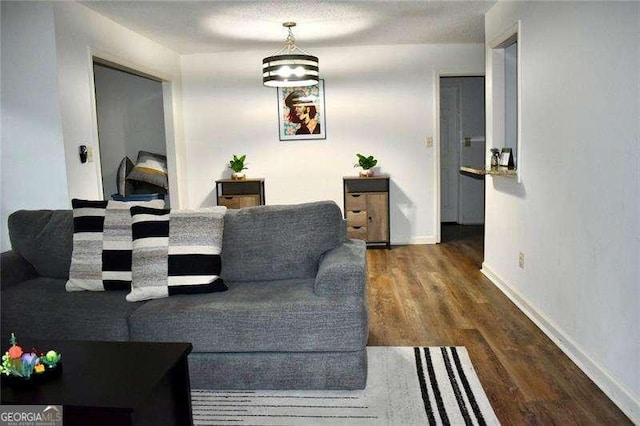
x=220, y=26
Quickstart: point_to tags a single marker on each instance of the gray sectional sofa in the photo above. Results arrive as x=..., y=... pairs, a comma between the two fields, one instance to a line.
x=294, y=317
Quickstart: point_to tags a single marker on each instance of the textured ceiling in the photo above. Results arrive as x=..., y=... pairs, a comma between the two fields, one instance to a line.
x=222, y=26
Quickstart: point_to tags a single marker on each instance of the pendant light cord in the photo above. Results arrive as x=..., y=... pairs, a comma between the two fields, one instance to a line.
x=290, y=42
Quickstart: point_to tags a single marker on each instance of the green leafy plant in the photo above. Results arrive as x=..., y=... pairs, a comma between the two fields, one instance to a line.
x=365, y=162
x=237, y=163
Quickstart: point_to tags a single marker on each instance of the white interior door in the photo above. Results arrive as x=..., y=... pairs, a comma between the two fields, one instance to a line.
x=449, y=152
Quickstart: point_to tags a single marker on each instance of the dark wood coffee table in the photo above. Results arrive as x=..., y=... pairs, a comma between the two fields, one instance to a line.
x=114, y=383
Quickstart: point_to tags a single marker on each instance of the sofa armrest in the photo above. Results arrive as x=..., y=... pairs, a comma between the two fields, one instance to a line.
x=14, y=269
x=343, y=270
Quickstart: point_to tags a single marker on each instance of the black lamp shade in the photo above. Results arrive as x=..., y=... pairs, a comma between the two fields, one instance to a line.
x=290, y=70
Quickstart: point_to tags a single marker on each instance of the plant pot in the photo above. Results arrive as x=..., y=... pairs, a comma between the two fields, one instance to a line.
x=238, y=176
x=366, y=173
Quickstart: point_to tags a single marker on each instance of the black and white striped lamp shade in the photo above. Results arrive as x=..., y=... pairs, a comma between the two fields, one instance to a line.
x=291, y=70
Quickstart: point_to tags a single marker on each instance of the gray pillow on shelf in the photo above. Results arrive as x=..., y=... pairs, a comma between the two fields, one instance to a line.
x=124, y=187
x=150, y=168
x=146, y=188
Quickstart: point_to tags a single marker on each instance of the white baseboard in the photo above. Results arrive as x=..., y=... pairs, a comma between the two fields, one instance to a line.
x=615, y=390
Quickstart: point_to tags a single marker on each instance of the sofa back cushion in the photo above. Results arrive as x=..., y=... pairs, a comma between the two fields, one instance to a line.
x=279, y=242
x=259, y=243
x=44, y=238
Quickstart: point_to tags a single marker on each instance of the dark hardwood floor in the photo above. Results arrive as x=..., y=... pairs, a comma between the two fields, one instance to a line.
x=435, y=295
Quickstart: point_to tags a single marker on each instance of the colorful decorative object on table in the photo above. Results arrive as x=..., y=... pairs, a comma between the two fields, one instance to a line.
x=19, y=365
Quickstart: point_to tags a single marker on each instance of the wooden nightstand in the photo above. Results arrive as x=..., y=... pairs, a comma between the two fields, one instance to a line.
x=236, y=194
x=366, y=209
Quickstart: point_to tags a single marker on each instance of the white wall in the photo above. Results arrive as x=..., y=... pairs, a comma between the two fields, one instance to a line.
x=379, y=101
x=575, y=215
x=80, y=32
x=33, y=163
x=130, y=119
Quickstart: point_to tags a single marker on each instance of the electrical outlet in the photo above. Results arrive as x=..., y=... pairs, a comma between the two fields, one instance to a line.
x=89, y=154
x=467, y=142
x=428, y=142
x=521, y=260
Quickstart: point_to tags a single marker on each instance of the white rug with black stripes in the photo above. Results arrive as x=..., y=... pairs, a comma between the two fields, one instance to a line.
x=405, y=386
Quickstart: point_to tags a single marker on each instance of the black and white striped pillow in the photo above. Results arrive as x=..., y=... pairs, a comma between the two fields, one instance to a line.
x=176, y=252
x=101, y=257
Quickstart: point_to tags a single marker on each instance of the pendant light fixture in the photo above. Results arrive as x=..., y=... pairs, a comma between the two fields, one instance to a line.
x=290, y=66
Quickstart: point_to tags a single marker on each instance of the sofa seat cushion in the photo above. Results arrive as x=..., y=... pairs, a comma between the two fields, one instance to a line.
x=42, y=308
x=284, y=315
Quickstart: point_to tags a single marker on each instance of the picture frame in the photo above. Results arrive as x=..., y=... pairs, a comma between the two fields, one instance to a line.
x=506, y=158
x=308, y=121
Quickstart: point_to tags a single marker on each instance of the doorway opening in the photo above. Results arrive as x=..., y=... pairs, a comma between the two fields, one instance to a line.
x=462, y=143
x=130, y=115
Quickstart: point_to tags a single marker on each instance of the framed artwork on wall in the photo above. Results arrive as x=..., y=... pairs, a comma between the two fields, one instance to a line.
x=301, y=112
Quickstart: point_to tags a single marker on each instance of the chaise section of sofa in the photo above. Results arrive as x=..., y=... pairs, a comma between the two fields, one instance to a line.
x=294, y=317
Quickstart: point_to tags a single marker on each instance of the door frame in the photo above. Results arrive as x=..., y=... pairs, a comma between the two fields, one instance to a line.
x=113, y=61
x=436, y=141
x=495, y=114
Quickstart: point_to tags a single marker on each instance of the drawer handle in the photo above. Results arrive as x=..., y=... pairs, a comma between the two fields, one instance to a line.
x=355, y=195
x=356, y=211
x=357, y=227
x=228, y=198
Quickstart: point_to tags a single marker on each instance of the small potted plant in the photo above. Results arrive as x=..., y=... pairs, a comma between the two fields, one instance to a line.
x=367, y=164
x=237, y=165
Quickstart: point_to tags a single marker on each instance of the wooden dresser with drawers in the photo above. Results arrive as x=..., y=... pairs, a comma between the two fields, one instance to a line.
x=366, y=209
